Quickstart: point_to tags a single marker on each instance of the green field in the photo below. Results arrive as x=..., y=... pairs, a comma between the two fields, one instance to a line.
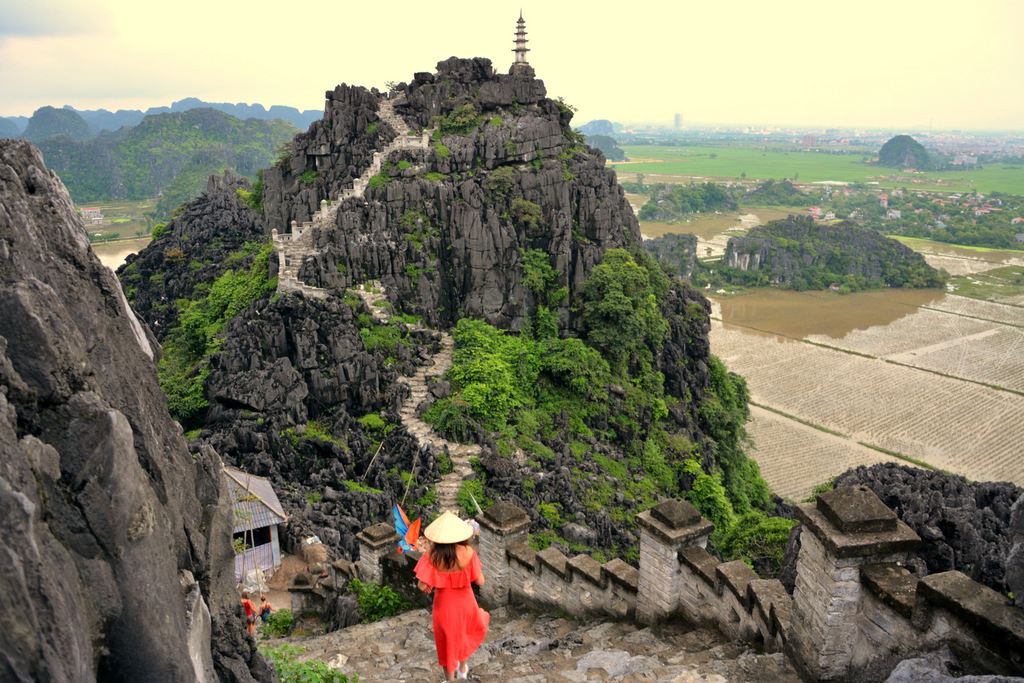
x=806, y=166
x=122, y=219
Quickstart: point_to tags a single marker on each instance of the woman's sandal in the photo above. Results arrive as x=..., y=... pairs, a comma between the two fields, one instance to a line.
x=463, y=675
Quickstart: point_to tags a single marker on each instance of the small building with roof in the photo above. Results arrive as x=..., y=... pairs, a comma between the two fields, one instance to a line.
x=258, y=513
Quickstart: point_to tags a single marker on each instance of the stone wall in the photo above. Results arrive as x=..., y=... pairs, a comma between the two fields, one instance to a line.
x=856, y=611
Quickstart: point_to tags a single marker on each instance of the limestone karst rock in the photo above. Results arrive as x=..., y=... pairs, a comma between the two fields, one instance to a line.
x=967, y=526
x=298, y=382
x=115, y=560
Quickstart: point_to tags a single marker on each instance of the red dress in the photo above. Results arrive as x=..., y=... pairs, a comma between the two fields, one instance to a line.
x=459, y=624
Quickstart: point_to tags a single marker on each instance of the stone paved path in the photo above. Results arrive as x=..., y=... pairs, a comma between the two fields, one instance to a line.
x=373, y=294
x=524, y=647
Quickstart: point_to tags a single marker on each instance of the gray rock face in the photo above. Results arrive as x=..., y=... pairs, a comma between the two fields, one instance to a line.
x=107, y=516
x=193, y=249
x=786, y=249
x=444, y=228
x=964, y=526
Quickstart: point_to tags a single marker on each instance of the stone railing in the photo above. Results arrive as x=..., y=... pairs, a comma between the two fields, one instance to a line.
x=855, y=612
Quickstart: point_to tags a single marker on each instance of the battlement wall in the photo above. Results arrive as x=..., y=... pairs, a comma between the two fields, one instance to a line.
x=855, y=613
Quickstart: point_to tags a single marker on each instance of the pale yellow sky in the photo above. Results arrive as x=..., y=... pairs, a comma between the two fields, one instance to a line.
x=899, y=64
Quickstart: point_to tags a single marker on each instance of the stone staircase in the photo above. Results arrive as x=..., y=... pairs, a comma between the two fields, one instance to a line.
x=460, y=454
x=525, y=647
x=293, y=247
x=373, y=294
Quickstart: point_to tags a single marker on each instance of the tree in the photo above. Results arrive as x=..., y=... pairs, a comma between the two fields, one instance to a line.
x=621, y=311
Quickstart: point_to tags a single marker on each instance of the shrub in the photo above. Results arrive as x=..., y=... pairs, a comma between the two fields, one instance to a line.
x=158, y=230
x=377, y=602
x=308, y=177
x=452, y=419
x=278, y=623
x=291, y=671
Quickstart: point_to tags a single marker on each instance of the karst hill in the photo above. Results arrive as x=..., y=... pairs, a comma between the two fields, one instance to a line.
x=458, y=222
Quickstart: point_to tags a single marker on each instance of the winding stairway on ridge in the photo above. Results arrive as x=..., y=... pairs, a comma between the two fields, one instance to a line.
x=292, y=248
x=447, y=489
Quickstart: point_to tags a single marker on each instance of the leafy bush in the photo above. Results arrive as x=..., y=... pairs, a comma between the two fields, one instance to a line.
x=377, y=602
x=459, y=121
x=183, y=368
x=278, y=623
x=452, y=419
x=308, y=177
x=500, y=182
x=291, y=671
x=756, y=537
x=158, y=230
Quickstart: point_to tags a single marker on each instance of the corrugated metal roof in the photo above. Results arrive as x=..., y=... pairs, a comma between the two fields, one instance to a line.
x=260, y=505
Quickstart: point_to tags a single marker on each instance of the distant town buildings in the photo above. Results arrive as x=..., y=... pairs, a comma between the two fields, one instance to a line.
x=92, y=215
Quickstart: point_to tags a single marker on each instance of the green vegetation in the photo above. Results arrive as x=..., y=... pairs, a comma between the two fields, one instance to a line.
x=184, y=368
x=760, y=161
x=291, y=671
x=673, y=202
x=523, y=387
x=459, y=121
x=169, y=154
x=278, y=623
x=308, y=177
x=377, y=602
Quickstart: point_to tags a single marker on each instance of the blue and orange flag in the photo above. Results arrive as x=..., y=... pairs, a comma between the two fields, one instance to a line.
x=410, y=533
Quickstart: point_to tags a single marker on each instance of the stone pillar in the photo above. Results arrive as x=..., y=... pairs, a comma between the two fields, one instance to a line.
x=502, y=526
x=374, y=543
x=664, y=530
x=844, y=530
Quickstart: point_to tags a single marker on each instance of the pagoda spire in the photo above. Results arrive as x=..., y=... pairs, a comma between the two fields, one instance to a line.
x=520, y=64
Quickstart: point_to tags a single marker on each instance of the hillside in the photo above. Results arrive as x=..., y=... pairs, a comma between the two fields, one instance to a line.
x=580, y=374
x=904, y=151
x=48, y=122
x=169, y=154
x=805, y=254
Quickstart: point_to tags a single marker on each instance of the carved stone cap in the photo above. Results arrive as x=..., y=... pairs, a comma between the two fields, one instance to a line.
x=856, y=509
x=674, y=524
x=675, y=514
x=845, y=544
x=504, y=518
x=377, y=536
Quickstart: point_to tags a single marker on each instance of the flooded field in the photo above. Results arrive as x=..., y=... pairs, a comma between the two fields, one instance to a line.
x=113, y=254
x=932, y=376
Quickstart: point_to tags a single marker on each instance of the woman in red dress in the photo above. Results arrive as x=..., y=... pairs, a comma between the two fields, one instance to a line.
x=449, y=569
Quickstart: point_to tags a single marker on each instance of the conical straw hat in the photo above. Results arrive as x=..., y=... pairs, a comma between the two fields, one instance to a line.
x=448, y=528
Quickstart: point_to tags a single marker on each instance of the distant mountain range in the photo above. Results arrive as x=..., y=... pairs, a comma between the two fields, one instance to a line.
x=169, y=155
x=98, y=120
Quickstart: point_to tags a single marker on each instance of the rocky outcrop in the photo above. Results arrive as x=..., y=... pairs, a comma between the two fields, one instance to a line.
x=964, y=525
x=116, y=553
x=444, y=229
x=192, y=250
x=677, y=252
x=286, y=392
x=799, y=249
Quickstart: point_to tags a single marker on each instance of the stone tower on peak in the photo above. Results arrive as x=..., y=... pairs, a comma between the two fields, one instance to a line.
x=521, y=67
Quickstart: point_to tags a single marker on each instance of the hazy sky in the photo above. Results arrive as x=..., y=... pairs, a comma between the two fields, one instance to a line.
x=897, y=64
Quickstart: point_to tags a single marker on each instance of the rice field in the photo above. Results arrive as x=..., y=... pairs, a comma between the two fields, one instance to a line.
x=794, y=458
x=948, y=423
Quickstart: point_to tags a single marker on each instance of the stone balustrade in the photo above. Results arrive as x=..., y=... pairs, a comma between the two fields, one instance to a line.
x=855, y=612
